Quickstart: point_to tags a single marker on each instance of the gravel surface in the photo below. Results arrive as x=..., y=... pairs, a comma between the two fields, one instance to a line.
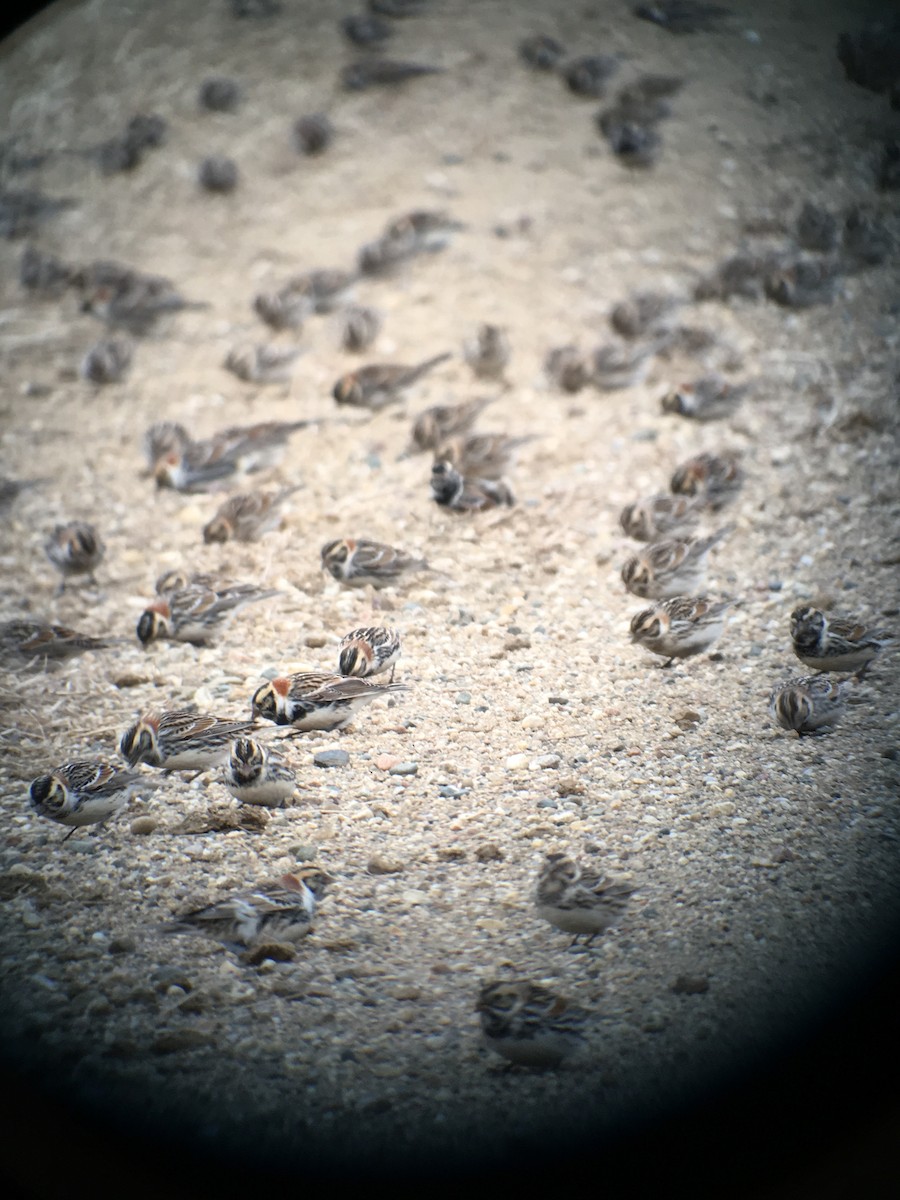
x=766, y=865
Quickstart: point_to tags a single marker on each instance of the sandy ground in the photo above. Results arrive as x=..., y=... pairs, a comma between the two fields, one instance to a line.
x=766, y=865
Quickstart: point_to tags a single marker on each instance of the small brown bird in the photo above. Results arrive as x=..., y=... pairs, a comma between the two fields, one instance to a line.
x=567, y=368
x=39, y=639
x=107, y=361
x=675, y=567
x=382, y=72
x=75, y=549
x=359, y=326
x=481, y=455
x=380, y=384
x=357, y=562
x=487, y=352
x=709, y=398
x=241, y=449
x=312, y=700
x=196, y=613
x=714, y=477
x=246, y=517
x=441, y=422
x=451, y=490
x=660, y=516
x=369, y=651
x=261, y=364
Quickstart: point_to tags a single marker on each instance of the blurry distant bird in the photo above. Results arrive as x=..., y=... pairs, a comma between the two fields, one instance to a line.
x=108, y=360
x=281, y=309
x=324, y=289
x=589, y=75
x=416, y=232
x=708, y=398
x=817, y=229
x=124, y=297
x=255, y=363
x=44, y=273
x=541, y=52
x=579, y=902
x=380, y=384
x=218, y=173
x=633, y=143
x=364, y=30
x=358, y=561
x=382, y=72
x=641, y=314
x=246, y=517
x=437, y=424
x=487, y=352
x=75, y=548
x=616, y=365
x=40, y=640
x=716, y=478
x=22, y=211
x=481, y=455
x=219, y=94
x=567, y=368
x=802, y=283
x=681, y=16
x=451, y=490
x=313, y=133
x=359, y=326
x=529, y=1025
x=195, y=465
x=658, y=517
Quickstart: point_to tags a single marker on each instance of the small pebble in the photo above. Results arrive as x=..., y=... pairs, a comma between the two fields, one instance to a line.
x=143, y=825
x=381, y=864
x=690, y=985
x=313, y=134
x=218, y=174
x=404, y=768
x=219, y=95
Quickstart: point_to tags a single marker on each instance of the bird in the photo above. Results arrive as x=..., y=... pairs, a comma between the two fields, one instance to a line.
x=219, y=94
x=238, y=449
x=217, y=173
x=802, y=283
x=529, y=1025
x=452, y=490
x=828, y=643
x=280, y=910
x=176, y=579
x=162, y=438
x=708, y=398
x=125, y=298
x=83, y=792
x=281, y=309
x=487, y=351
x=254, y=363
x=616, y=365
x=680, y=627
x=674, y=567
x=660, y=516
x=313, y=133
x=641, y=314
x=107, y=361
x=417, y=232
x=436, y=425
x=181, y=740
x=379, y=384
x=481, y=455
x=681, y=16
x=358, y=327
x=75, y=548
x=810, y=705
x=567, y=368
x=195, y=613
x=577, y=903
x=364, y=30
x=44, y=273
x=541, y=52
x=324, y=289
x=247, y=516
x=358, y=561
x=41, y=639
x=382, y=72
x=369, y=651
x=715, y=478
x=254, y=775
x=312, y=700
x=634, y=143
x=589, y=74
